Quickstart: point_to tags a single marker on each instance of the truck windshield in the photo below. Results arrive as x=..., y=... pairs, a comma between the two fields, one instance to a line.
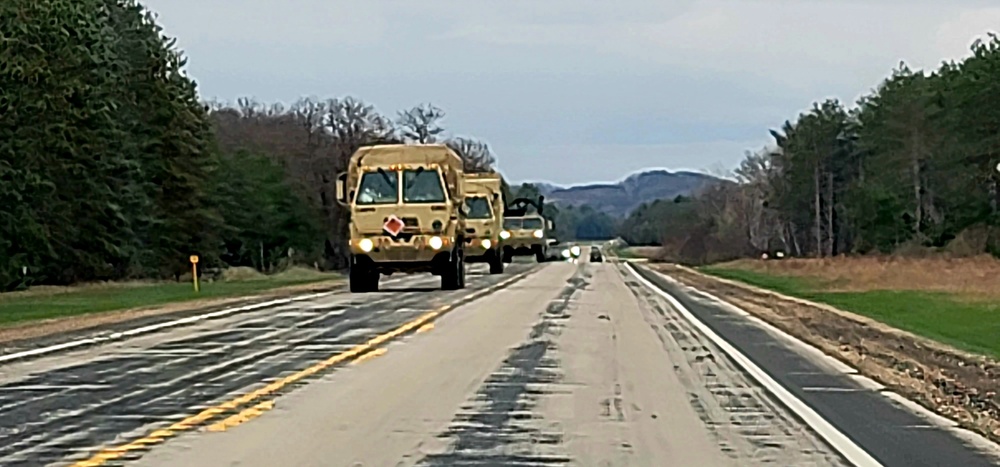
x=532, y=223
x=422, y=186
x=378, y=188
x=512, y=223
x=479, y=208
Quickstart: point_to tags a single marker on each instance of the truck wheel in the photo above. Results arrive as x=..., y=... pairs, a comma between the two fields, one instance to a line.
x=539, y=254
x=461, y=269
x=507, y=256
x=450, y=277
x=496, y=263
x=361, y=279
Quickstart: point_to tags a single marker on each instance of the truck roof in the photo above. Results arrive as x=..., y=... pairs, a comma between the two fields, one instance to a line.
x=416, y=154
x=483, y=183
x=484, y=176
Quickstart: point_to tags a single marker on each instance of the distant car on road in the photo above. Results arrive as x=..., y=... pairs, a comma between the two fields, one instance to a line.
x=595, y=255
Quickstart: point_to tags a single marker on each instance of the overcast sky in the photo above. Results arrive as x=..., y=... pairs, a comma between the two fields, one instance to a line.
x=573, y=91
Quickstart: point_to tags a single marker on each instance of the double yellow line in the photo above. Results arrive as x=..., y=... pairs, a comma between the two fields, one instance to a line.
x=357, y=353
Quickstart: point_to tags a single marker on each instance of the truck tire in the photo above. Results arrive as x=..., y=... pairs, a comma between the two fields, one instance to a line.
x=461, y=269
x=362, y=279
x=496, y=263
x=451, y=277
x=539, y=254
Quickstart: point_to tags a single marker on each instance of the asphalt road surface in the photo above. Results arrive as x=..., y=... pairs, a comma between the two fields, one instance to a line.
x=566, y=363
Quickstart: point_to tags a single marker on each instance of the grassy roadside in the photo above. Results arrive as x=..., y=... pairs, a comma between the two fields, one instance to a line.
x=623, y=253
x=955, y=303
x=635, y=252
x=58, y=302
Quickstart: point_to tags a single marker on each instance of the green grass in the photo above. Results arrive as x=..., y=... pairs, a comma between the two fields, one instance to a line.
x=22, y=307
x=971, y=324
x=624, y=253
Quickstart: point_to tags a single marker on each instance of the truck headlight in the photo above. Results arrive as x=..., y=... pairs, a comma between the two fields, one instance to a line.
x=539, y=233
x=436, y=243
x=366, y=245
x=504, y=235
x=565, y=254
x=575, y=250
x=487, y=244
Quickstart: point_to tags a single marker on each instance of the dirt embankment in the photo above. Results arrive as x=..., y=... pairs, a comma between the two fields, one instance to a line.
x=958, y=385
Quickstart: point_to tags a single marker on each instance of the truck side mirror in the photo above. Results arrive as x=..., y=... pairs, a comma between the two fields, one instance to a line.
x=551, y=225
x=342, y=189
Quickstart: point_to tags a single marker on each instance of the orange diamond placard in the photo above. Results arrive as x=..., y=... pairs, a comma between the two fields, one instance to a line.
x=393, y=225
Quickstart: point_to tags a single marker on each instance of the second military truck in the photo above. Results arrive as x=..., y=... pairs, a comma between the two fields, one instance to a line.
x=406, y=213
x=485, y=205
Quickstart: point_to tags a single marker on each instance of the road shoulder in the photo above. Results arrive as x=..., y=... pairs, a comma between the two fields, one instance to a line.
x=890, y=431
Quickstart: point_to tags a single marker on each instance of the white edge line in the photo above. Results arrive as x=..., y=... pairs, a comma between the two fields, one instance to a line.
x=848, y=448
x=979, y=441
x=155, y=327
x=834, y=363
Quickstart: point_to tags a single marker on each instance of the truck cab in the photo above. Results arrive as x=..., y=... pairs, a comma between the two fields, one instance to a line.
x=484, y=204
x=406, y=213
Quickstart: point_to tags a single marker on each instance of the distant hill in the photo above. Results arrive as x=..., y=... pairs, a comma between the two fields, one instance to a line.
x=621, y=198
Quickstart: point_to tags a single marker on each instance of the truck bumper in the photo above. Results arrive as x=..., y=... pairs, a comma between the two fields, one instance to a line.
x=521, y=247
x=476, y=253
x=432, y=264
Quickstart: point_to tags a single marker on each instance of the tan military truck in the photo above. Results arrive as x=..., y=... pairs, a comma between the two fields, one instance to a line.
x=485, y=205
x=406, y=213
x=525, y=233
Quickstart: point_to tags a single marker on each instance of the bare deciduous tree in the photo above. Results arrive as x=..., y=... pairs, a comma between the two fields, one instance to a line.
x=477, y=155
x=421, y=124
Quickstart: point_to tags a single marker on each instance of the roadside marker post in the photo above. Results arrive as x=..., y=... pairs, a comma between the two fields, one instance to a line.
x=194, y=271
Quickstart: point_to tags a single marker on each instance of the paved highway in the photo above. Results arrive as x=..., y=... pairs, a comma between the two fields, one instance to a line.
x=556, y=364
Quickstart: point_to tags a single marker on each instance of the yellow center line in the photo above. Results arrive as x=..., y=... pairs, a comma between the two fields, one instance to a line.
x=188, y=423
x=370, y=355
x=160, y=435
x=245, y=416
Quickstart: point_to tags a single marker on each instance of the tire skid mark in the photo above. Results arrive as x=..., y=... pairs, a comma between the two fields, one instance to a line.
x=746, y=422
x=132, y=390
x=499, y=425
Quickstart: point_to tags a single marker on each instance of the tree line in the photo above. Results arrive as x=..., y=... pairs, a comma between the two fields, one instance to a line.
x=912, y=167
x=112, y=168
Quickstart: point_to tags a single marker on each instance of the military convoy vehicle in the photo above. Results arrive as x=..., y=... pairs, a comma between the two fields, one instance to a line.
x=485, y=206
x=595, y=254
x=407, y=213
x=526, y=234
